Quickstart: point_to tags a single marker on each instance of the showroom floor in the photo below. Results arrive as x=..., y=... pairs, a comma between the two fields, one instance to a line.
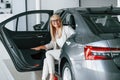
x=22, y=75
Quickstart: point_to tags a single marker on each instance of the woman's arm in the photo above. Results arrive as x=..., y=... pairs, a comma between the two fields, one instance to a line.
x=47, y=46
x=39, y=48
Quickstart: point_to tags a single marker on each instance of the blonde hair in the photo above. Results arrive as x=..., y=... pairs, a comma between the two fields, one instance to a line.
x=52, y=29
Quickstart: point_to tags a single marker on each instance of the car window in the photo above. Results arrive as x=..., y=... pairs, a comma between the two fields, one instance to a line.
x=104, y=23
x=31, y=22
x=69, y=20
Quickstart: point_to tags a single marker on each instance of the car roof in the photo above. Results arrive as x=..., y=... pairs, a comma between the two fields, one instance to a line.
x=96, y=10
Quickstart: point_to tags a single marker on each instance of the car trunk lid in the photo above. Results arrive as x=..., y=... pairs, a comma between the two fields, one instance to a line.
x=115, y=43
x=108, y=49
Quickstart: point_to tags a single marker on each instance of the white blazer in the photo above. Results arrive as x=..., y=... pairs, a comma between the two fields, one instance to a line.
x=66, y=33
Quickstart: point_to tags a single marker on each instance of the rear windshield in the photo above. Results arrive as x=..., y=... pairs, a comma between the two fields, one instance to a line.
x=105, y=23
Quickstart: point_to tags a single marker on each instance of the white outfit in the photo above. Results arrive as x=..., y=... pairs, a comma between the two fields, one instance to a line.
x=54, y=54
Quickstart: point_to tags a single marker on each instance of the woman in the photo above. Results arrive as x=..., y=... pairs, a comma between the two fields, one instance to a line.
x=59, y=34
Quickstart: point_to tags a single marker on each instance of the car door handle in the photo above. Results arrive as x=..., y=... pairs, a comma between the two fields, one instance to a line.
x=39, y=36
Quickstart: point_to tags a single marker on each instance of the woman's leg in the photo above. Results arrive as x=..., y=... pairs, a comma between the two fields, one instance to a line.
x=45, y=70
x=50, y=56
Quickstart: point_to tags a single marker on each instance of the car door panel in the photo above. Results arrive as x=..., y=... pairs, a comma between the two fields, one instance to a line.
x=23, y=59
x=19, y=43
x=29, y=40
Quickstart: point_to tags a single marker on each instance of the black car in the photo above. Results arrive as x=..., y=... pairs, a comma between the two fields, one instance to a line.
x=93, y=52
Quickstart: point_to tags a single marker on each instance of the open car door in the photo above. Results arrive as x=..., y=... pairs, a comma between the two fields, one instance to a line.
x=22, y=32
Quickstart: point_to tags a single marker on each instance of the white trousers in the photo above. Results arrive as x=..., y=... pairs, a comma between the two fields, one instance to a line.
x=49, y=66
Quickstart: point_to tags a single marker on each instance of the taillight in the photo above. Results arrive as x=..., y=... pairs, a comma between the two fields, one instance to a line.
x=100, y=53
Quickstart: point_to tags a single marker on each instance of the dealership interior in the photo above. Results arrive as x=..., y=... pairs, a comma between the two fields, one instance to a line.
x=10, y=8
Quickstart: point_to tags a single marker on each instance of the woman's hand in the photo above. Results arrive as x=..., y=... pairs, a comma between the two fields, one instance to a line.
x=38, y=48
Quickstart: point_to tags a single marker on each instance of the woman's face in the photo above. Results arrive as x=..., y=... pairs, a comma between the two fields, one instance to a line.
x=55, y=22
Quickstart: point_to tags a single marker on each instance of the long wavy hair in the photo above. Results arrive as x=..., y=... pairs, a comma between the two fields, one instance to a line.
x=52, y=29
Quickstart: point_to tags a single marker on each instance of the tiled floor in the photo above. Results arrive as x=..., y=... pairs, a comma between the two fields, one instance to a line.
x=8, y=72
x=4, y=72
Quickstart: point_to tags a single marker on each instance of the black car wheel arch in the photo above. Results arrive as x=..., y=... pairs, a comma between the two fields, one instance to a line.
x=67, y=68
